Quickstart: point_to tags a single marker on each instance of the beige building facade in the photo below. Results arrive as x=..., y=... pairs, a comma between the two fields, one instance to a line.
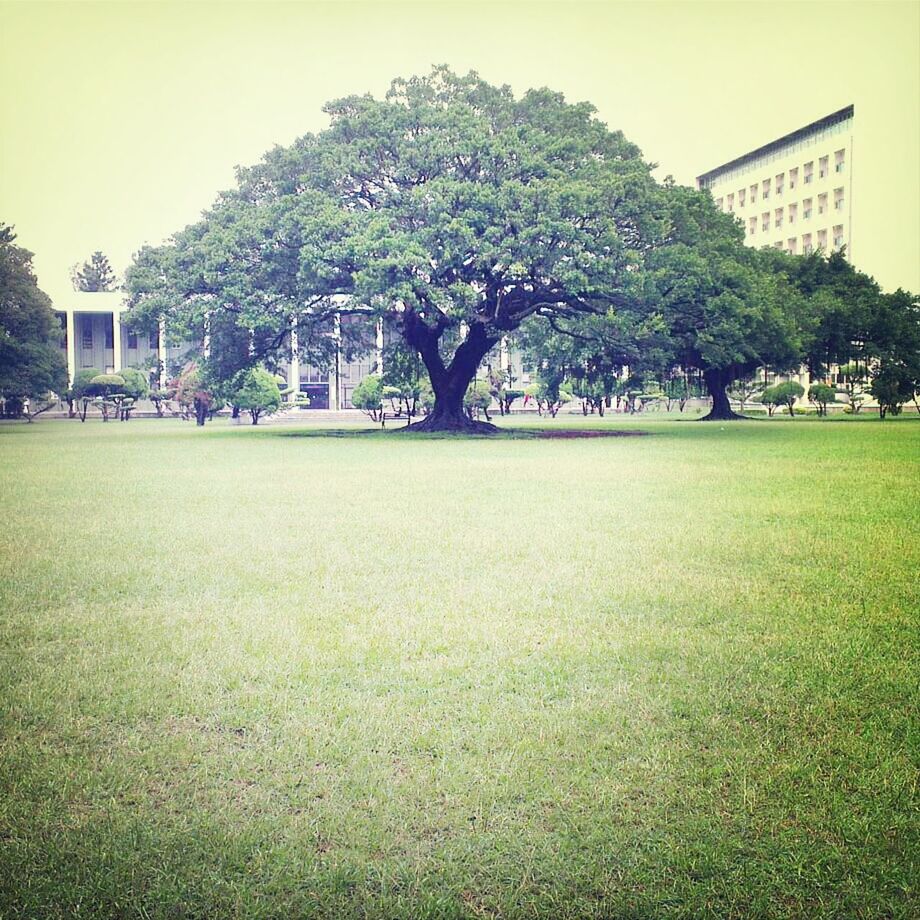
x=794, y=193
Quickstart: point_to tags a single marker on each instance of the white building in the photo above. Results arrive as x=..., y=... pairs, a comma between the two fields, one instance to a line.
x=794, y=193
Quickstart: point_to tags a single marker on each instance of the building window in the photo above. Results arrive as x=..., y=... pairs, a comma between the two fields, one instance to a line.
x=806, y=209
x=766, y=188
x=793, y=178
x=87, y=332
x=806, y=243
x=792, y=245
x=838, y=160
x=741, y=194
x=779, y=184
x=822, y=239
x=822, y=167
x=793, y=213
x=154, y=339
x=753, y=193
x=110, y=334
x=132, y=340
x=752, y=225
x=779, y=217
x=838, y=237
x=838, y=199
x=808, y=170
x=778, y=244
x=719, y=203
x=822, y=203
x=731, y=202
x=765, y=225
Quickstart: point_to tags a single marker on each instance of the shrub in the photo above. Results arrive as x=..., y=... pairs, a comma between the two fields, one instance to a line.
x=259, y=394
x=821, y=394
x=137, y=384
x=368, y=396
x=478, y=398
x=782, y=394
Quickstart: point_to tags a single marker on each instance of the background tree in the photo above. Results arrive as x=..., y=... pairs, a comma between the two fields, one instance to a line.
x=368, y=397
x=450, y=207
x=194, y=395
x=31, y=362
x=821, y=394
x=403, y=377
x=108, y=390
x=258, y=394
x=787, y=394
x=893, y=344
x=726, y=310
x=744, y=389
x=96, y=274
x=855, y=376
x=477, y=399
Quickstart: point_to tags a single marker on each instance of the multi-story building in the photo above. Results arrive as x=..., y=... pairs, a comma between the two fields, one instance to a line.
x=795, y=193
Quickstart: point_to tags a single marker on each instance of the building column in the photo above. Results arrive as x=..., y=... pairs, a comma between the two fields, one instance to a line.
x=294, y=367
x=504, y=358
x=379, y=346
x=161, y=353
x=116, y=340
x=206, y=340
x=71, y=345
x=334, y=377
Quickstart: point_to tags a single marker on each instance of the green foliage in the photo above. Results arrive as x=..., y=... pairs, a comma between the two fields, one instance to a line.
x=31, y=363
x=478, y=398
x=821, y=394
x=258, y=393
x=103, y=384
x=782, y=394
x=136, y=382
x=96, y=274
x=83, y=382
x=892, y=386
x=194, y=395
x=449, y=207
x=368, y=396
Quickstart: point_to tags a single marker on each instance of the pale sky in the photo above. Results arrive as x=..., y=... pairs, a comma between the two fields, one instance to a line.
x=120, y=121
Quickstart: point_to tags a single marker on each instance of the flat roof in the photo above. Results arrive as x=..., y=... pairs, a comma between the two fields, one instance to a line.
x=801, y=133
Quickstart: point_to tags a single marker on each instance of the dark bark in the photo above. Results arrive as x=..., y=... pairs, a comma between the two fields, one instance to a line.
x=449, y=382
x=201, y=412
x=716, y=382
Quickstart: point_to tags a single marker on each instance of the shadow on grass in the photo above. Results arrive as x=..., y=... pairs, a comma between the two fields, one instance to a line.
x=508, y=434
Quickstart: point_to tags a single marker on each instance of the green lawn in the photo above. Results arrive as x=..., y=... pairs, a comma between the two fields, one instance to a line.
x=245, y=673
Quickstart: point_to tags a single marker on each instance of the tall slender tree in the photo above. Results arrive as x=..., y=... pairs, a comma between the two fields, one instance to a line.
x=96, y=274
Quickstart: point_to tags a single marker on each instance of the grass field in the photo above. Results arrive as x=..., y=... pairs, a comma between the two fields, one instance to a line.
x=246, y=673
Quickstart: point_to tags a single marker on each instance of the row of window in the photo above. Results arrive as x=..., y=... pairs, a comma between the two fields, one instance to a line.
x=810, y=241
x=87, y=338
x=782, y=182
x=791, y=212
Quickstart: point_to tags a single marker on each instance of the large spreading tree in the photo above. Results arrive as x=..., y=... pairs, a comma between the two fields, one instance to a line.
x=32, y=366
x=451, y=208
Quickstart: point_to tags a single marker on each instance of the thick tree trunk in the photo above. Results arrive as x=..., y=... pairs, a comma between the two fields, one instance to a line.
x=201, y=412
x=450, y=382
x=716, y=382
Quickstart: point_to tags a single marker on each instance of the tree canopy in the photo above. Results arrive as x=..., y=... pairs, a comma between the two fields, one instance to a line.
x=31, y=362
x=96, y=274
x=450, y=207
x=460, y=214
